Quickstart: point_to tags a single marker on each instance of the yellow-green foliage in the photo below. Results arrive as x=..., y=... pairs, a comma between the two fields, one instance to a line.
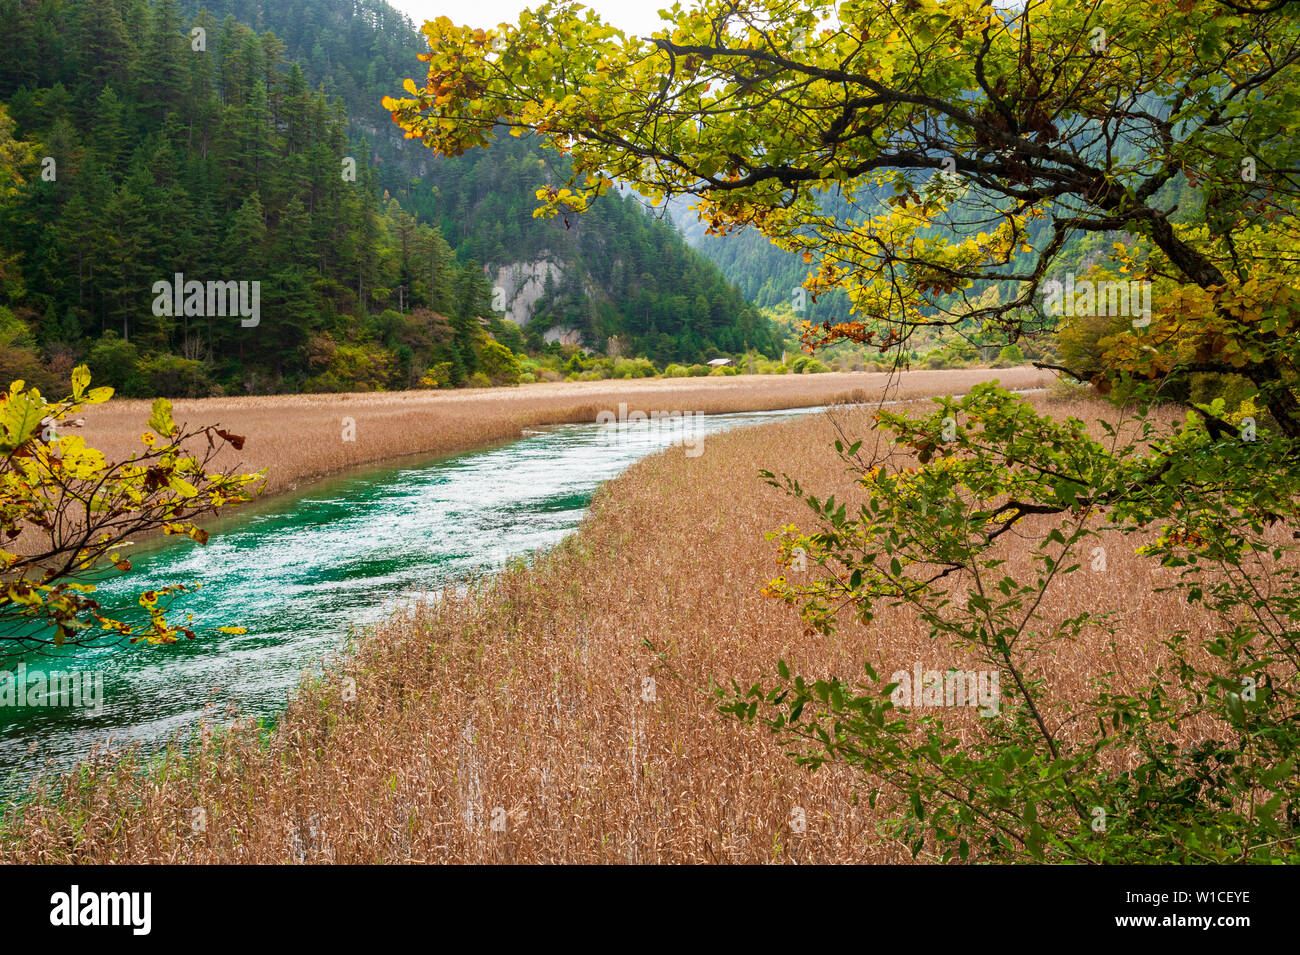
x=499, y=363
x=355, y=368
x=65, y=509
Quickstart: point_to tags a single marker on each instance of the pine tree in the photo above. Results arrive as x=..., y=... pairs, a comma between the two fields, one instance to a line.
x=109, y=142
x=162, y=67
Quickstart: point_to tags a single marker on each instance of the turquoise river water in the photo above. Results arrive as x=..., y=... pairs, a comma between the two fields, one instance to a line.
x=299, y=572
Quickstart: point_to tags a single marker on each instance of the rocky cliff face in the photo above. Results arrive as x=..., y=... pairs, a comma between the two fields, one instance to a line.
x=518, y=287
x=565, y=336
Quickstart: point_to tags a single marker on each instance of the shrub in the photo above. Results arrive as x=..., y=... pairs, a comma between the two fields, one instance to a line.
x=114, y=362
x=170, y=376
x=23, y=364
x=807, y=365
x=633, y=368
x=499, y=363
x=1128, y=783
x=363, y=367
x=323, y=384
x=78, y=510
x=1233, y=389
x=1081, y=341
x=438, y=376
x=1011, y=355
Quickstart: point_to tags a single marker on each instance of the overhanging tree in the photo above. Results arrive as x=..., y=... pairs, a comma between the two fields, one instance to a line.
x=1054, y=120
x=971, y=145
x=67, y=513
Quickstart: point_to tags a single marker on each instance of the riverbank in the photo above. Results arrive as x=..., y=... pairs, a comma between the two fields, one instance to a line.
x=302, y=438
x=528, y=720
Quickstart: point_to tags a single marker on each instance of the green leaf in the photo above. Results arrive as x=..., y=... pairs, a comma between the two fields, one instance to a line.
x=161, y=420
x=19, y=418
x=1235, y=709
x=80, y=381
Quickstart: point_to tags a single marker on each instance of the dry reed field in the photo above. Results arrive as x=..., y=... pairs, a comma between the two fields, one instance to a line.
x=517, y=722
x=300, y=438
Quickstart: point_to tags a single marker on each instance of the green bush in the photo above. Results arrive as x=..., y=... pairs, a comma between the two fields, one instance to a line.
x=170, y=376
x=499, y=363
x=807, y=365
x=633, y=368
x=1081, y=341
x=322, y=384
x=114, y=361
x=19, y=360
x=363, y=367
x=1233, y=389
x=438, y=376
x=1011, y=355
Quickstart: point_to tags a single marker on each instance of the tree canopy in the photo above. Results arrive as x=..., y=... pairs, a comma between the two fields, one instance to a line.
x=994, y=134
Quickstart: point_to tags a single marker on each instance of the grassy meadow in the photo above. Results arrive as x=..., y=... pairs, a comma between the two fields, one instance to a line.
x=516, y=721
x=300, y=438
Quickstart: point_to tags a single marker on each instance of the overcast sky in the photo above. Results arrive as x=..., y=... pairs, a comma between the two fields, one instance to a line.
x=634, y=16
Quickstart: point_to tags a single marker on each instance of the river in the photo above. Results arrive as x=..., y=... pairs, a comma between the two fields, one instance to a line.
x=300, y=572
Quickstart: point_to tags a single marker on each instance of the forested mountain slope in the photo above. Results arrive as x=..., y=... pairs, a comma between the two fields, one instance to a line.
x=134, y=149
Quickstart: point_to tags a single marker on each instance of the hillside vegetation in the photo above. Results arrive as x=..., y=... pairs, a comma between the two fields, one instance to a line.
x=133, y=150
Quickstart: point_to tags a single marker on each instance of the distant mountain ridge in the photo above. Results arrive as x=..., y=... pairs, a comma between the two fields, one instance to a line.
x=645, y=286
